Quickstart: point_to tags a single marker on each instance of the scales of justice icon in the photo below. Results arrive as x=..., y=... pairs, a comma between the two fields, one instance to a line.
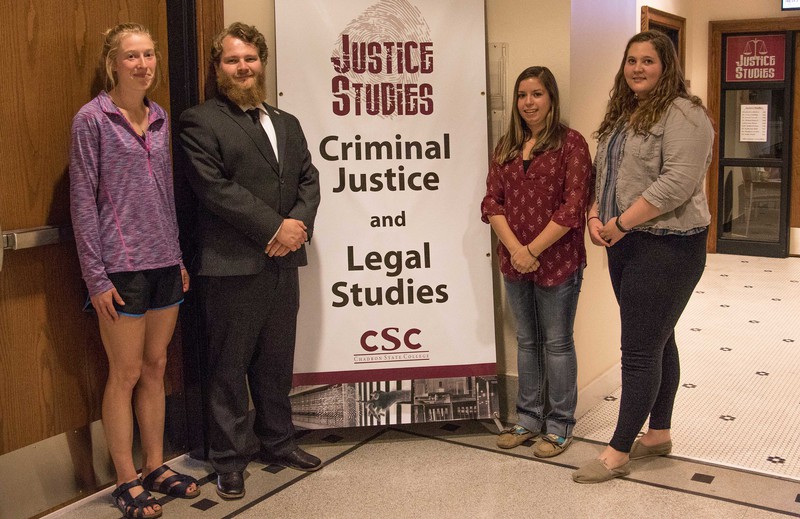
x=755, y=46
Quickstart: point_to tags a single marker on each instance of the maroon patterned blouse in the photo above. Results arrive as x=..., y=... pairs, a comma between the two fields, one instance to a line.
x=555, y=187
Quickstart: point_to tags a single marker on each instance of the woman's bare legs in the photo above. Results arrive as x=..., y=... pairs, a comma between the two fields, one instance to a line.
x=150, y=394
x=124, y=341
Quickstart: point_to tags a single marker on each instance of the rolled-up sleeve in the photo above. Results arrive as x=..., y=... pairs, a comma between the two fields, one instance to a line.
x=578, y=180
x=494, y=201
x=685, y=157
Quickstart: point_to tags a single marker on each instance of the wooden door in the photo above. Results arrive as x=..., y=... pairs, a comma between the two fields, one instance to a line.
x=794, y=185
x=715, y=67
x=52, y=364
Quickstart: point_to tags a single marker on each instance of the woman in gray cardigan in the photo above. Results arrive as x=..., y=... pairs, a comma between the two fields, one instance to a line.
x=651, y=214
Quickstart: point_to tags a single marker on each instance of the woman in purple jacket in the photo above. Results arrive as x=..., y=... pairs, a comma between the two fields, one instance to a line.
x=123, y=216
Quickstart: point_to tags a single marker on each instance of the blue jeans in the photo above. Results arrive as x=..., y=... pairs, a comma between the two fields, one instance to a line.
x=546, y=352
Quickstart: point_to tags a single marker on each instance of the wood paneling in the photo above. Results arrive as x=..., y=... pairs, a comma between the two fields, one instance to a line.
x=52, y=365
x=210, y=21
x=794, y=195
x=660, y=20
x=713, y=105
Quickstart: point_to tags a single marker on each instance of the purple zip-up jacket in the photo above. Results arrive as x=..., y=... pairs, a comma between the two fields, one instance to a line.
x=121, y=193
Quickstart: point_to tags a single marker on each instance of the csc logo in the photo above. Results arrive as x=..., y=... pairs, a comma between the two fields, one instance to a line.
x=391, y=339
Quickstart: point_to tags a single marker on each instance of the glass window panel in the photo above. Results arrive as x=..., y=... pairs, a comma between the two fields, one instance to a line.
x=751, y=204
x=744, y=130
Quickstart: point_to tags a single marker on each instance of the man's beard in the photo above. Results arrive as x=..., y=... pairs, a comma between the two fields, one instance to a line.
x=253, y=95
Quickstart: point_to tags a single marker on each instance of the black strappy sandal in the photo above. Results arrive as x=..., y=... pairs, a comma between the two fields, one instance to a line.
x=175, y=485
x=133, y=507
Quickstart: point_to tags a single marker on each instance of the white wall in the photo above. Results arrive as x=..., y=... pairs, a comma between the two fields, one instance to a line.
x=599, y=32
x=537, y=33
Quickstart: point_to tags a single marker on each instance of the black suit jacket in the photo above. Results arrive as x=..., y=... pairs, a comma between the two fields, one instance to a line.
x=243, y=194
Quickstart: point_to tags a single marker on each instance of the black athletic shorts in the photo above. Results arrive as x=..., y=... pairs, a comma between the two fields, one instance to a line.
x=144, y=290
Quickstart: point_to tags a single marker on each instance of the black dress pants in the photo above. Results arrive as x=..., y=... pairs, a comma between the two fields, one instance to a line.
x=653, y=278
x=251, y=323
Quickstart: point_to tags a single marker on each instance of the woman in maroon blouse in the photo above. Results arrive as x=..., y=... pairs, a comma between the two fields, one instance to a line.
x=537, y=193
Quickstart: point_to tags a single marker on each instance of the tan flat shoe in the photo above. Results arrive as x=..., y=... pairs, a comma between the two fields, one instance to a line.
x=550, y=445
x=514, y=437
x=596, y=472
x=639, y=451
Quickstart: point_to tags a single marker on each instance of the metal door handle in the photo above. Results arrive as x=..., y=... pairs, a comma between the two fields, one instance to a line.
x=34, y=237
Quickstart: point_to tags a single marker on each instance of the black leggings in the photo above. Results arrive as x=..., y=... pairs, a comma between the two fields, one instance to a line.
x=653, y=278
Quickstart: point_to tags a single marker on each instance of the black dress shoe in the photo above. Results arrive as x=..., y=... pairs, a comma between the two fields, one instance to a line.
x=297, y=459
x=230, y=485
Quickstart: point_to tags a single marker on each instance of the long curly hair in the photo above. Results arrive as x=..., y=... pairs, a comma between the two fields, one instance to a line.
x=510, y=144
x=641, y=114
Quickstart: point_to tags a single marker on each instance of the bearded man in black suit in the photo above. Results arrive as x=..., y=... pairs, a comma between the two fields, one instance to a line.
x=258, y=193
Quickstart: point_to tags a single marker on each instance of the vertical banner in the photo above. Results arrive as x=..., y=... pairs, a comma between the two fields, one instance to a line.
x=391, y=95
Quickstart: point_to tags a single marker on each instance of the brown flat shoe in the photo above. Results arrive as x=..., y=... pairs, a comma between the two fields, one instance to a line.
x=514, y=437
x=639, y=451
x=596, y=472
x=551, y=445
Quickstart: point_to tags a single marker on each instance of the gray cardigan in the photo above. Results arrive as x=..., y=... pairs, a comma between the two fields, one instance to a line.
x=667, y=166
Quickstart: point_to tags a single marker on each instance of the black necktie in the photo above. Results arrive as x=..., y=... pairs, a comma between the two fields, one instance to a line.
x=255, y=115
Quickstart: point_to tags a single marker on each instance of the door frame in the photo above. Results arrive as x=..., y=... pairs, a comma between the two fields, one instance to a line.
x=715, y=67
x=196, y=24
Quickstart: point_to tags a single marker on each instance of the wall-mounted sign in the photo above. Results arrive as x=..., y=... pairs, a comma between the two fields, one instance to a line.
x=789, y=5
x=755, y=58
x=753, y=123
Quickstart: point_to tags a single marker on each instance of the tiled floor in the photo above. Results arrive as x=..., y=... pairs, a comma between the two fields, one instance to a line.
x=739, y=400
x=736, y=438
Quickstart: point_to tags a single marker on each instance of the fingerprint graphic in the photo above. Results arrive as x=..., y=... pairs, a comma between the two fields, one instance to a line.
x=375, y=48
